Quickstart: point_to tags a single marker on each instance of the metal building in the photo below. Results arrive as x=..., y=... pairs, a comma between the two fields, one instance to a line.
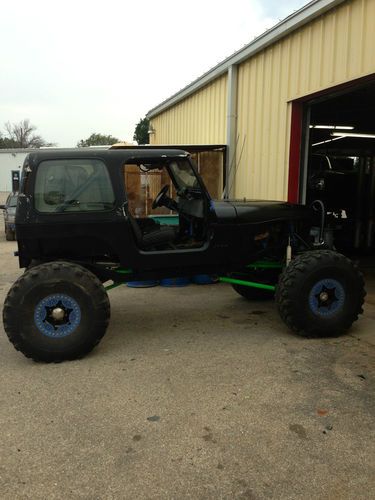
x=267, y=101
x=10, y=159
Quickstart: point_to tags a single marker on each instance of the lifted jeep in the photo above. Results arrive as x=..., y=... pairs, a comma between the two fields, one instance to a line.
x=81, y=231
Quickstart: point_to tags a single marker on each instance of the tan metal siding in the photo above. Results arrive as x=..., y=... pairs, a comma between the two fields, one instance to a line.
x=337, y=47
x=198, y=119
x=262, y=124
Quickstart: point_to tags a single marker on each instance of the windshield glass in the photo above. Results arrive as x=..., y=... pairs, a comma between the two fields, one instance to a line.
x=184, y=175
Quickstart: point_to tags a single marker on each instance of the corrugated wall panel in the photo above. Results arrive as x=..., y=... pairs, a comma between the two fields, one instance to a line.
x=198, y=119
x=337, y=47
x=368, y=37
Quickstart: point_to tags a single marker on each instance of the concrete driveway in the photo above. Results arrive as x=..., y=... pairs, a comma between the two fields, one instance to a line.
x=193, y=393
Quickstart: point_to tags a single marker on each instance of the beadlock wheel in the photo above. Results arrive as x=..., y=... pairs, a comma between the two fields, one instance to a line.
x=57, y=315
x=56, y=311
x=320, y=293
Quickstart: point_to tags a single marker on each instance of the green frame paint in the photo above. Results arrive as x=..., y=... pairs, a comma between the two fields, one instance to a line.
x=251, y=284
x=123, y=271
x=224, y=279
x=265, y=264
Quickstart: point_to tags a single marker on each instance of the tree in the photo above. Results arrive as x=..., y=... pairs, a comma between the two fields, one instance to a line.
x=6, y=143
x=97, y=140
x=141, y=131
x=22, y=135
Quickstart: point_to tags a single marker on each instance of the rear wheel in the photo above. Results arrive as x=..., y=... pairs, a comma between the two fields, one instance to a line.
x=56, y=311
x=320, y=294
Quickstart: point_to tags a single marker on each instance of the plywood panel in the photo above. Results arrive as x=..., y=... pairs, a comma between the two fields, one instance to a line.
x=211, y=170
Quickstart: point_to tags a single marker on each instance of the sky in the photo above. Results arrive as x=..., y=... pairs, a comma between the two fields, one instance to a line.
x=78, y=67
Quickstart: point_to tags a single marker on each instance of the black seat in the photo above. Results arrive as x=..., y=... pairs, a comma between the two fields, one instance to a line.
x=152, y=235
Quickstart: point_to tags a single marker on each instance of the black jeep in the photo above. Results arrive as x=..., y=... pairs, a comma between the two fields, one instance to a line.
x=86, y=222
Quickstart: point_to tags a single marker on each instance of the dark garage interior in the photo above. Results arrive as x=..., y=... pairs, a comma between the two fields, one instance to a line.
x=340, y=160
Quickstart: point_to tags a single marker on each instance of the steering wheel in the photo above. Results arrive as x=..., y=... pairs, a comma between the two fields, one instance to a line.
x=158, y=201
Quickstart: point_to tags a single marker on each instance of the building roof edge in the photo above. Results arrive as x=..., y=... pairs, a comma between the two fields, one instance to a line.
x=291, y=23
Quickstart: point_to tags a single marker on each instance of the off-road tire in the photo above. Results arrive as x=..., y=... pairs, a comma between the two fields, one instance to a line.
x=27, y=303
x=33, y=263
x=9, y=234
x=313, y=275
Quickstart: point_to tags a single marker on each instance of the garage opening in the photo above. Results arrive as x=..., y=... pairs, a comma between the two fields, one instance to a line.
x=338, y=165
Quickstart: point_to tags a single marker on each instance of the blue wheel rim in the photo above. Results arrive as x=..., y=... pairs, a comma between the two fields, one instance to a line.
x=326, y=298
x=65, y=306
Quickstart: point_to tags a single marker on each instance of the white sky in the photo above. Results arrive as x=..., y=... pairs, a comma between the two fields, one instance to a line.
x=78, y=67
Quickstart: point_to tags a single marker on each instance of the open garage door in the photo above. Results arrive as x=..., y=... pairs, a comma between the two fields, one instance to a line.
x=338, y=165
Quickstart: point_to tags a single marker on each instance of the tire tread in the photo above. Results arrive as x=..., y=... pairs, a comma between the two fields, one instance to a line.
x=39, y=272
x=295, y=273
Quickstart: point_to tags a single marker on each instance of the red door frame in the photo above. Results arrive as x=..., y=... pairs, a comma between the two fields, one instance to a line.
x=295, y=147
x=295, y=152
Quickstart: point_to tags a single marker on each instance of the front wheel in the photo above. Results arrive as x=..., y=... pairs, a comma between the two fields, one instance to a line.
x=320, y=294
x=56, y=311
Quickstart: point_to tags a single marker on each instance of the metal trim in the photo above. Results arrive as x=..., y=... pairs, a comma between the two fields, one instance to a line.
x=231, y=129
x=295, y=152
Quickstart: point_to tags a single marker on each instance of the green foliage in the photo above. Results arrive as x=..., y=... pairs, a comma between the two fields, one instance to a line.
x=21, y=135
x=141, y=131
x=97, y=140
x=6, y=143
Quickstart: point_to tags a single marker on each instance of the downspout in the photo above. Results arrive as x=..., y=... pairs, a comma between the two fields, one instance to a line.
x=230, y=167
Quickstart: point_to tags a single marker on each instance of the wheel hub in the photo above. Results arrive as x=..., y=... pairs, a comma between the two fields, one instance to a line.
x=57, y=315
x=326, y=297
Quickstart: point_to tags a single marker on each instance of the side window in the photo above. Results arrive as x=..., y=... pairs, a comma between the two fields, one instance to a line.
x=142, y=186
x=73, y=186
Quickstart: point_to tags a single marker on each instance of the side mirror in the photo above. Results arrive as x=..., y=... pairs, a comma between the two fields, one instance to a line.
x=2, y=207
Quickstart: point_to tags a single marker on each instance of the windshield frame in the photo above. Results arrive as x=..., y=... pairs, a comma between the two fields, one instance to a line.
x=199, y=188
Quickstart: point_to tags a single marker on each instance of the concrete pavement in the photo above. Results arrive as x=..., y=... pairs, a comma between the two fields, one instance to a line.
x=193, y=393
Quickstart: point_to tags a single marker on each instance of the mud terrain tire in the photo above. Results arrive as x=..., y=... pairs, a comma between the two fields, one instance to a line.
x=56, y=311
x=320, y=294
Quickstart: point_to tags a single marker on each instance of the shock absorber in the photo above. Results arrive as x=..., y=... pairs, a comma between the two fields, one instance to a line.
x=316, y=205
x=288, y=252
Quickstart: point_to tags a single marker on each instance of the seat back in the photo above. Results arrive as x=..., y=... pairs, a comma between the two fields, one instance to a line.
x=136, y=230
x=155, y=236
